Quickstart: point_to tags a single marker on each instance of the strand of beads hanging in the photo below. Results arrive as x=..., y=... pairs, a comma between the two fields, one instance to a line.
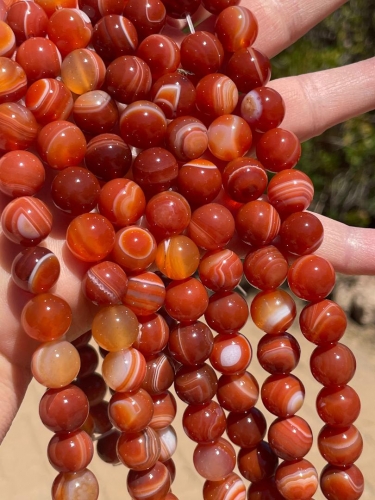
x=171, y=173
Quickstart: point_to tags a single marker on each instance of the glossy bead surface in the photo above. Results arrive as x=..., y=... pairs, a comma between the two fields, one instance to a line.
x=186, y=138
x=105, y=283
x=296, y=480
x=167, y=213
x=148, y=16
x=323, y=322
x=153, y=334
x=278, y=353
x=278, y=149
x=333, y=364
x=227, y=312
x=214, y=460
x=122, y=201
x=134, y=248
x=108, y=157
x=106, y=447
x=283, y=395
x=229, y=488
x=145, y=294
x=246, y=429
x=165, y=409
x=177, y=257
x=161, y=53
x=196, y=385
x=139, y=450
x=35, y=269
x=340, y=446
x=26, y=220
x=115, y=327
x=55, y=364
x=8, y=40
x=95, y=388
x=40, y=58
x=69, y=29
x=176, y=304
x=190, y=343
x=168, y=442
x=311, y=277
x=89, y=360
x=155, y=169
x=13, y=80
x=220, y=270
x=123, y=370
x=114, y=36
x=199, y=181
x=63, y=409
x=338, y=406
x=229, y=137
x=216, y=95
x=337, y=483
x=70, y=451
x=290, y=438
x=128, y=79
x=263, y=109
x=237, y=393
x=273, y=311
x=131, y=411
x=257, y=223
x=236, y=28
x=18, y=127
x=231, y=353
x=290, y=191
x=204, y=423
x=201, y=53
x=211, y=226
x=244, y=179
x=154, y=482
x=264, y=490
x=83, y=70
x=301, y=233
x=90, y=237
x=21, y=174
x=265, y=268
x=248, y=68
x=27, y=19
x=258, y=463
x=95, y=112
x=75, y=484
x=159, y=374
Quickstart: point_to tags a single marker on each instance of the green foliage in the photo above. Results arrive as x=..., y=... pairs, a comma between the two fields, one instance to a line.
x=341, y=162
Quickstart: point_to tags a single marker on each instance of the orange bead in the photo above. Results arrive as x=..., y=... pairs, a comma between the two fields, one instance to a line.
x=115, y=327
x=177, y=257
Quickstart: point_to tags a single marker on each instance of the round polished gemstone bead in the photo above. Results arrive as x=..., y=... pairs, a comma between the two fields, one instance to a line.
x=70, y=451
x=168, y=442
x=128, y=79
x=181, y=309
x=296, y=480
x=333, y=364
x=301, y=233
x=196, y=385
x=108, y=157
x=340, y=446
x=175, y=94
x=106, y=447
x=257, y=223
x=246, y=429
x=40, y=58
x=69, y=29
x=265, y=268
x=231, y=353
x=89, y=360
x=199, y=181
x=201, y=53
x=21, y=174
x=186, y=138
x=153, y=334
x=273, y=311
x=290, y=191
x=143, y=125
x=248, y=68
x=283, y=395
x=156, y=481
x=236, y=28
x=148, y=16
x=131, y=411
x=78, y=483
x=134, y=249
x=123, y=370
x=177, y=257
x=244, y=179
x=145, y=294
x=290, y=438
x=237, y=393
x=18, y=127
x=165, y=409
x=139, y=450
x=323, y=322
x=258, y=463
x=190, y=343
x=227, y=312
x=216, y=95
x=95, y=388
x=278, y=353
x=338, y=406
x=161, y=53
x=114, y=36
x=46, y=317
x=220, y=270
x=13, y=80
x=263, y=109
x=230, y=488
x=204, y=423
x=115, y=327
x=95, y=112
x=214, y=460
x=27, y=19
x=64, y=409
x=278, y=149
x=337, y=483
x=82, y=70
x=211, y=226
x=35, y=269
x=105, y=283
x=229, y=137
x=159, y=374
x=167, y=213
x=155, y=169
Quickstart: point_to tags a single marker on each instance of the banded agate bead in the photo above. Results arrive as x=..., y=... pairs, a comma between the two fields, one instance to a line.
x=283, y=395
x=161, y=53
x=211, y=226
x=265, y=268
x=69, y=29
x=201, y=53
x=134, y=248
x=8, y=40
x=338, y=406
x=49, y=100
x=75, y=484
x=176, y=304
x=115, y=327
x=177, y=257
x=153, y=334
x=108, y=157
x=114, y=36
x=214, y=460
x=128, y=79
x=257, y=223
x=148, y=16
x=196, y=385
x=231, y=353
x=249, y=68
x=27, y=19
x=145, y=293
x=50, y=6
x=290, y=191
x=273, y=311
x=35, y=269
x=155, y=169
x=18, y=127
x=159, y=374
x=204, y=423
x=220, y=270
x=131, y=411
x=337, y=483
x=154, y=482
x=168, y=442
x=83, y=70
x=216, y=95
x=40, y=58
x=165, y=409
x=296, y=480
x=167, y=213
x=340, y=446
x=236, y=28
x=278, y=149
x=263, y=109
x=278, y=353
x=244, y=179
x=229, y=488
x=323, y=322
x=229, y=137
x=258, y=463
x=105, y=283
x=46, y=317
x=139, y=450
x=186, y=138
x=246, y=429
x=290, y=438
x=301, y=233
x=123, y=370
x=21, y=174
x=227, y=312
x=237, y=393
x=13, y=80
x=332, y=364
x=70, y=451
x=199, y=181
x=95, y=112
x=190, y=343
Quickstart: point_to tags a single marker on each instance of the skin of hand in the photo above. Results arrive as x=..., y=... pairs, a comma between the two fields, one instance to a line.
x=350, y=250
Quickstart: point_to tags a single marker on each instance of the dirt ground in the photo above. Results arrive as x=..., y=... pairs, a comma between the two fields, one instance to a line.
x=25, y=473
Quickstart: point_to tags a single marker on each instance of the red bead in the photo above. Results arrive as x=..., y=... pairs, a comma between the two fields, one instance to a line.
x=231, y=353
x=153, y=334
x=124, y=370
x=40, y=58
x=215, y=460
x=161, y=53
x=50, y=6
x=26, y=220
x=296, y=480
x=168, y=441
x=165, y=409
x=35, y=269
x=106, y=447
x=211, y=226
x=177, y=257
x=190, y=344
x=244, y=179
x=248, y=68
x=8, y=40
x=256, y=464
x=115, y=327
x=131, y=411
x=95, y=112
x=139, y=450
x=143, y=125
x=134, y=249
x=337, y=483
x=204, y=423
x=338, y=406
x=301, y=233
x=229, y=488
x=89, y=360
x=61, y=144
x=246, y=429
x=21, y=174
x=186, y=300
x=18, y=127
x=229, y=137
x=70, y=451
x=217, y=95
x=145, y=294
x=179, y=9
x=283, y=395
x=155, y=481
x=257, y=223
x=186, y=138
x=263, y=109
x=216, y=6
x=69, y=29
x=273, y=311
x=237, y=393
x=95, y=9
x=64, y=409
x=155, y=169
x=278, y=353
x=220, y=270
x=168, y=213
x=311, y=277
x=148, y=16
x=227, y=312
x=333, y=364
x=83, y=70
x=105, y=283
x=196, y=385
x=94, y=387
x=128, y=79
x=13, y=80
x=108, y=157
x=290, y=438
x=175, y=95
x=323, y=322
x=81, y=483
x=278, y=149
x=199, y=181
x=27, y=19
x=340, y=446
x=265, y=268
x=290, y=191
x=90, y=237
x=75, y=190
x=159, y=374
x=236, y=28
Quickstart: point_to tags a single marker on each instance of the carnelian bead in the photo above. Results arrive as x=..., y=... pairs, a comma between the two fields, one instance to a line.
x=190, y=343
x=18, y=127
x=21, y=174
x=13, y=80
x=143, y=125
x=195, y=385
x=236, y=28
x=64, y=409
x=338, y=406
x=263, y=109
x=231, y=487
x=177, y=257
x=201, y=53
x=290, y=438
x=27, y=19
x=214, y=460
x=237, y=393
x=165, y=409
x=278, y=149
x=55, y=364
x=282, y=395
x=153, y=334
x=95, y=112
x=75, y=190
x=124, y=370
x=26, y=220
x=168, y=213
x=69, y=29
x=90, y=237
x=257, y=223
x=155, y=480
x=61, y=144
x=8, y=40
x=231, y=353
x=311, y=277
x=244, y=179
x=175, y=94
x=227, y=312
x=115, y=327
x=332, y=364
x=75, y=483
x=46, y=317
x=40, y=58
x=273, y=311
x=159, y=374
x=296, y=480
x=265, y=268
x=139, y=450
x=229, y=137
x=186, y=138
x=340, y=446
x=246, y=429
x=96, y=9
x=217, y=95
x=131, y=411
x=211, y=226
x=134, y=248
x=256, y=464
x=114, y=36
x=128, y=79
x=148, y=16
x=161, y=53
x=108, y=157
x=278, y=353
x=155, y=169
x=220, y=270
x=105, y=283
x=323, y=322
x=35, y=269
x=290, y=191
x=337, y=483
x=83, y=70
x=248, y=68
x=145, y=294
x=70, y=451
x=199, y=181
x=176, y=304
x=48, y=100
x=301, y=233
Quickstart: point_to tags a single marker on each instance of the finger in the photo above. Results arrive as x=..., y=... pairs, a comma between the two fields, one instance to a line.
x=351, y=250
x=316, y=101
